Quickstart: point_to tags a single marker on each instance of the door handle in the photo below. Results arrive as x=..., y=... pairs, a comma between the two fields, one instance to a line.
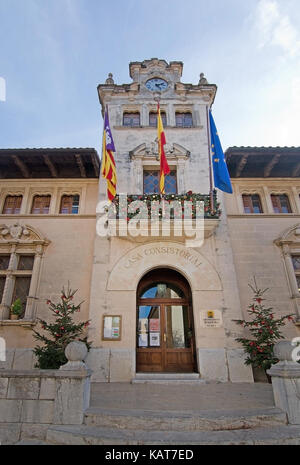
x=165, y=337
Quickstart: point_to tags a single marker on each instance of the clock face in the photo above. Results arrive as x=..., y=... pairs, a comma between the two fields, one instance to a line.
x=156, y=84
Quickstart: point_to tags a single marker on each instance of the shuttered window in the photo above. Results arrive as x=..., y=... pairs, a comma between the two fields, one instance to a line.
x=131, y=119
x=12, y=204
x=69, y=204
x=19, y=275
x=153, y=119
x=252, y=203
x=184, y=120
x=281, y=203
x=296, y=265
x=21, y=291
x=41, y=204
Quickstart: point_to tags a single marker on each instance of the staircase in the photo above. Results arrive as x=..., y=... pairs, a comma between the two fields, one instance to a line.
x=147, y=416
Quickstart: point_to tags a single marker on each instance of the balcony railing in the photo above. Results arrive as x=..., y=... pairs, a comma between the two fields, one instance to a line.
x=154, y=204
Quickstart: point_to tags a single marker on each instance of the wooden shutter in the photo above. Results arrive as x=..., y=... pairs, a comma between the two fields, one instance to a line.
x=41, y=204
x=12, y=204
x=276, y=203
x=66, y=204
x=247, y=204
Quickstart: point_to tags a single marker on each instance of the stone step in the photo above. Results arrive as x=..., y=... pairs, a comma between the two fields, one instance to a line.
x=167, y=378
x=212, y=420
x=87, y=435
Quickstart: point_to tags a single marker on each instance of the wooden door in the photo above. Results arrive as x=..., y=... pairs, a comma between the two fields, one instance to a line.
x=165, y=341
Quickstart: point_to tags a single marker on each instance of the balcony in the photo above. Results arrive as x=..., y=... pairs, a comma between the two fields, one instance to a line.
x=178, y=212
x=150, y=199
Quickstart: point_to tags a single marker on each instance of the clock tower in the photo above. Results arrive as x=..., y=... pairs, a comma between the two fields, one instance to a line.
x=158, y=305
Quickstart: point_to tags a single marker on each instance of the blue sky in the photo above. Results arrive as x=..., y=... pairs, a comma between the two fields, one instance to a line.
x=54, y=53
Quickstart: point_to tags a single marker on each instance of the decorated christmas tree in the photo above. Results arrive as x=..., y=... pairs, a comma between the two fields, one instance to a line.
x=58, y=333
x=264, y=331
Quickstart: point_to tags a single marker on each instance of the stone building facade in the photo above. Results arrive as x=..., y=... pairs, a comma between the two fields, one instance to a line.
x=155, y=303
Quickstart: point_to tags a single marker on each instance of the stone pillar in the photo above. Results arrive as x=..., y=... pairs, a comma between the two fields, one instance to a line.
x=268, y=200
x=24, y=205
x=144, y=115
x=31, y=300
x=286, y=381
x=72, y=396
x=180, y=177
x=9, y=285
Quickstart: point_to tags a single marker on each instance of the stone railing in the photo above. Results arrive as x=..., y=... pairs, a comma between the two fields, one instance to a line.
x=32, y=400
x=286, y=381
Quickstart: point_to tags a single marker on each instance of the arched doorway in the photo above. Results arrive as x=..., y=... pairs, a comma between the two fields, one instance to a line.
x=165, y=326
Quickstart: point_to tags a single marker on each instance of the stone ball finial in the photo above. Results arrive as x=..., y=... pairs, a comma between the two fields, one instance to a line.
x=283, y=351
x=76, y=351
x=109, y=80
x=202, y=79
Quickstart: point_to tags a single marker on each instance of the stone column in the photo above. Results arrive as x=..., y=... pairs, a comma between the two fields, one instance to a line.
x=31, y=300
x=137, y=176
x=72, y=396
x=286, y=381
x=9, y=285
x=25, y=208
x=180, y=177
x=171, y=115
x=296, y=199
x=268, y=200
x=145, y=115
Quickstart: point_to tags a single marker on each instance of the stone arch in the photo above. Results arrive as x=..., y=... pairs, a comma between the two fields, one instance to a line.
x=127, y=272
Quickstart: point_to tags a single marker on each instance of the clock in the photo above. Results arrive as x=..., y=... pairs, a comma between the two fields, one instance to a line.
x=156, y=84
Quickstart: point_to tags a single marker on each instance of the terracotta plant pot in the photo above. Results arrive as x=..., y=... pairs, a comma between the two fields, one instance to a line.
x=14, y=317
x=260, y=376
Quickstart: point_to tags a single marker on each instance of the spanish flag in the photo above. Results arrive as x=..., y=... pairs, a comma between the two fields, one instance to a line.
x=108, y=168
x=164, y=167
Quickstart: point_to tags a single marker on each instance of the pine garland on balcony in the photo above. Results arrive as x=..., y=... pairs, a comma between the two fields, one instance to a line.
x=187, y=197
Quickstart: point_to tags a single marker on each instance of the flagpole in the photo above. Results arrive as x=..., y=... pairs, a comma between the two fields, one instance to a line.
x=211, y=195
x=162, y=197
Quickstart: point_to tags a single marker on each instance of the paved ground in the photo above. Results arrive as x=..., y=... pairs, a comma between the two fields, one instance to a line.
x=223, y=396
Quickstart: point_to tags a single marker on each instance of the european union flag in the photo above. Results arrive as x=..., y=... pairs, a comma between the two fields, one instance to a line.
x=221, y=175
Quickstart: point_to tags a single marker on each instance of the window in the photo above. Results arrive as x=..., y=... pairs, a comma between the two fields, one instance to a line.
x=296, y=265
x=184, y=120
x=151, y=182
x=153, y=119
x=12, y=204
x=281, y=203
x=41, y=204
x=252, y=203
x=131, y=119
x=4, y=262
x=69, y=204
x=21, y=271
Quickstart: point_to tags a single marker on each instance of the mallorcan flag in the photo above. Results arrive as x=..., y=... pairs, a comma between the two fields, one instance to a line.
x=221, y=175
x=164, y=167
x=108, y=168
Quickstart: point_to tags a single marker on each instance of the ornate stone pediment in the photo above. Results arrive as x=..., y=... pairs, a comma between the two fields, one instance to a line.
x=290, y=236
x=150, y=150
x=21, y=233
